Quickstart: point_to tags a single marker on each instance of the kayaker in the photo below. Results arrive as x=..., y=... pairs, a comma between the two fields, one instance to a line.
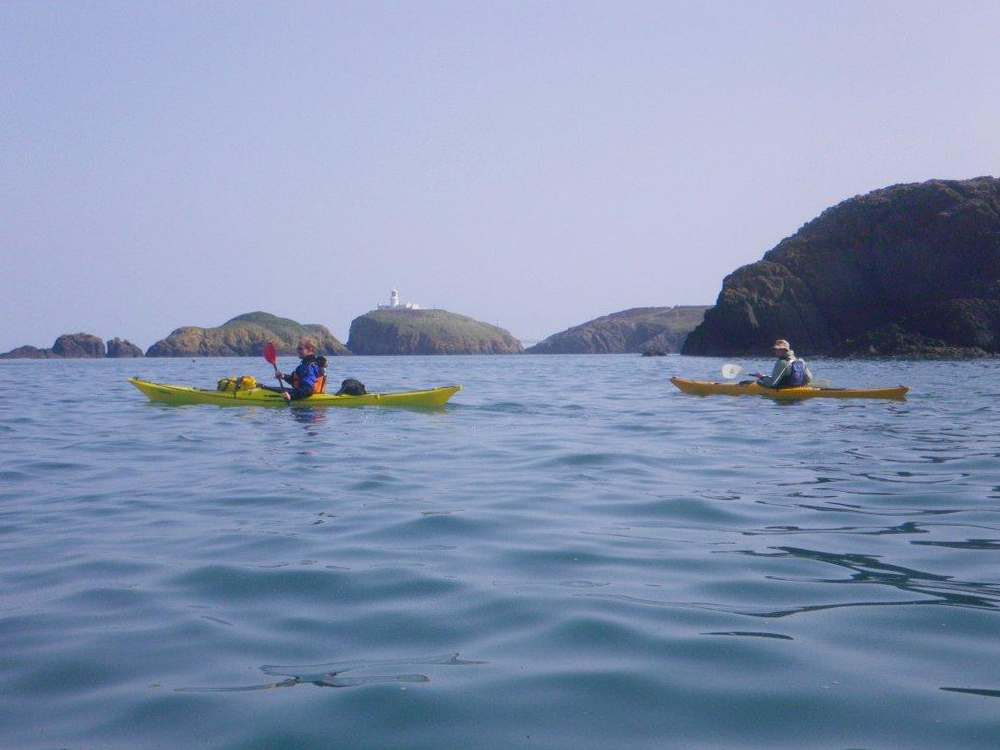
x=784, y=374
x=308, y=378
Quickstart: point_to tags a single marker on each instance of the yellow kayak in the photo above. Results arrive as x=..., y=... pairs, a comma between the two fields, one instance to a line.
x=182, y=394
x=706, y=388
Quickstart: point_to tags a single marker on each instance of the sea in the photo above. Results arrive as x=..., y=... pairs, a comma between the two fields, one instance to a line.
x=571, y=555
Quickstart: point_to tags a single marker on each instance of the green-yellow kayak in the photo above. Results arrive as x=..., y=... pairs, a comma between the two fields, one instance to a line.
x=705, y=388
x=182, y=394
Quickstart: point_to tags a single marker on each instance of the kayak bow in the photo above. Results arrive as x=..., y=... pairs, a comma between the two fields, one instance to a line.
x=182, y=394
x=706, y=388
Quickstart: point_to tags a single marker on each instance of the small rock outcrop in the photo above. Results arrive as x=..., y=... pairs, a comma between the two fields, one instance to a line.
x=909, y=270
x=427, y=332
x=245, y=336
x=28, y=352
x=641, y=329
x=118, y=348
x=67, y=346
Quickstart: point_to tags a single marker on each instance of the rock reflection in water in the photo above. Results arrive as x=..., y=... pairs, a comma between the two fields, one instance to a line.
x=336, y=674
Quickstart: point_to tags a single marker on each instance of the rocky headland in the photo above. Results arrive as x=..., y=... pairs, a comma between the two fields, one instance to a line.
x=651, y=330
x=910, y=270
x=245, y=336
x=427, y=332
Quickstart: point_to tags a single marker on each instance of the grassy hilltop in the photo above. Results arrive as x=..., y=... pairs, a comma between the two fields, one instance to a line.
x=427, y=332
x=245, y=336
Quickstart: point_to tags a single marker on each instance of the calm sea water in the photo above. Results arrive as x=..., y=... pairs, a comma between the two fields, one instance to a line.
x=572, y=555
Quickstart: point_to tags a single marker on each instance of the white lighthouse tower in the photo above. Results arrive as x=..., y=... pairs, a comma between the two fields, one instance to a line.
x=395, y=304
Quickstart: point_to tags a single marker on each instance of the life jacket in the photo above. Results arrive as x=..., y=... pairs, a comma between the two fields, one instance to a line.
x=319, y=387
x=796, y=375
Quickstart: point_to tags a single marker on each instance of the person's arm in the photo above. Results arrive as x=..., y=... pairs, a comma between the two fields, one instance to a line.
x=778, y=374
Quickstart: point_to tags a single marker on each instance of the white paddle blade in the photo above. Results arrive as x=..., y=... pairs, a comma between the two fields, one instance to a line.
x=731, y=371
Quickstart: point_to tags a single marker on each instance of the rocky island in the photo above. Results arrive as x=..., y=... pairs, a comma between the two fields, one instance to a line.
x=76, y=346
x=651, y=330
x=245, y=336
x=416, y=331
x=121, y=349
x=910, y=270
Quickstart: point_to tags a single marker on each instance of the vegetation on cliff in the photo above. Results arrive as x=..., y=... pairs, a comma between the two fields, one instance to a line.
x=245, y=336
x=641, y=329
x=909, y=270
x=427, y=332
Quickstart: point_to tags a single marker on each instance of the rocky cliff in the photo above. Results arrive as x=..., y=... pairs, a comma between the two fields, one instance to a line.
x=245, y=336
x=641, y=329
x=427, y=332
x=120, y=349
x=67, y=346
x=909, y=270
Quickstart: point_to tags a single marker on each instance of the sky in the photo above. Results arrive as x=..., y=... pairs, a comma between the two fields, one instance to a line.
x=531, y=164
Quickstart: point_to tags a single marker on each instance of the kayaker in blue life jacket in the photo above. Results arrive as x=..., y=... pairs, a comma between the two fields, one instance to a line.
x=308, y=378
x=788, y=370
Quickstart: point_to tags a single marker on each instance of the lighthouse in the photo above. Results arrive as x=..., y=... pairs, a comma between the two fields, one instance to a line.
x=395, y=304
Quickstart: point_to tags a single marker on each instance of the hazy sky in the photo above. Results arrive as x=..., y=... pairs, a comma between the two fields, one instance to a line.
x=533, y=164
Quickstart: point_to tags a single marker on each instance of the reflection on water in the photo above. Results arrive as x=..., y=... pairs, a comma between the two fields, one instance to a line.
x=868, y=570
x=338, y=674
x=974, y=691
x=308, y=415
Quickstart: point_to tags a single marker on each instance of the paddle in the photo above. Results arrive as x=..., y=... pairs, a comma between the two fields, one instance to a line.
x=731, y=371
x=271, y=355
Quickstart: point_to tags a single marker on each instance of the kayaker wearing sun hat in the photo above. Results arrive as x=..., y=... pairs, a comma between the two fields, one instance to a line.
x=783, y=374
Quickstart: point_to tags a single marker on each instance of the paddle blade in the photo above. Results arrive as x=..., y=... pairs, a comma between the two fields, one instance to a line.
x=270, y=353
x=731, y=371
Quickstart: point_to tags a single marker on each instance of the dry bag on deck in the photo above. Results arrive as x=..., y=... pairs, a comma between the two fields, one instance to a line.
x=242, y=383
